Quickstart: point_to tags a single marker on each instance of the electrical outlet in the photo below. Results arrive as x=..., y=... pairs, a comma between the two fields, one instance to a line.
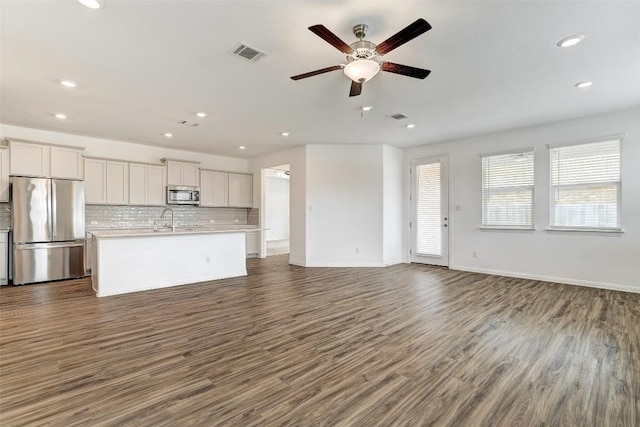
x=212, y=221
x=236, y=221
x=475, y=254
x=94, y=222
x=458, y=208
x=357, y=250
x=208, y=260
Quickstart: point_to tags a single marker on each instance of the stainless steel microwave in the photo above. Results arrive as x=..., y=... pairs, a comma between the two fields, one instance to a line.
x=181, y=195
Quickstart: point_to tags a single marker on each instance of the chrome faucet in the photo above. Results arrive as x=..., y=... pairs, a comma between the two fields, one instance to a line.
x=173, y=224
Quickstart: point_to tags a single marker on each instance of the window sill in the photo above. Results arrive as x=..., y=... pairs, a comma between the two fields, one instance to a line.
x=505, y=228
x=585, y=230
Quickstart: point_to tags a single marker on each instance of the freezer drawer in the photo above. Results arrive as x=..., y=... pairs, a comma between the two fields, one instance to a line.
x=41, y=262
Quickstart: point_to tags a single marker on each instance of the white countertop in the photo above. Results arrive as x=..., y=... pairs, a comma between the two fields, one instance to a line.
x=167, y=231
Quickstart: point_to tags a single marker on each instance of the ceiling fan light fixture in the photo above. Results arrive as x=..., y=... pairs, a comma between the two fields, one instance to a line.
x=361, y=70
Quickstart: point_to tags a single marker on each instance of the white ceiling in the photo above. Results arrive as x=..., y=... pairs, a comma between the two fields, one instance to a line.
x=142, y=66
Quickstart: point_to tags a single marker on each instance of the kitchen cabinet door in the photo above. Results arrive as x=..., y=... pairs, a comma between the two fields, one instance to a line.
x=88, y=248
x=138, y=184
x=240, y=190
x=95, y=181
x=4, y=258
x=4, y=175
x=190, y=174
x=156, y=185
x=29, y=159
x=66, y=163
x=117, y=183
x=174, y=172
x=251, y=243
x=183, y=173
x=206, y=188
x=214, y=188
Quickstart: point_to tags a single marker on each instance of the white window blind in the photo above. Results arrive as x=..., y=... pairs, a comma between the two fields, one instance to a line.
x=428, y=211
x=585, y=185
x=507, y=190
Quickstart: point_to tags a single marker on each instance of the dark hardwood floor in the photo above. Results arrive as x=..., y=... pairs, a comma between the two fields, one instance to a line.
x=407, y=345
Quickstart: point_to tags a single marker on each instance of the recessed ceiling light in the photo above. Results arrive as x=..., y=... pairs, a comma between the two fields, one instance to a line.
x=60, y=116
x=91, y=4
x=168, y=135
x=582, y=85
x=571, y=40
x=201, y=114
x=242, y=147
x=367, y=108
x=410, y=126
x=285, y=134
x=68, y=83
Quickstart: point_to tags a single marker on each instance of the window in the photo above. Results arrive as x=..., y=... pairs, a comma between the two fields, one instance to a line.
x=428, y=210
x=585, y=185
x=507, y=190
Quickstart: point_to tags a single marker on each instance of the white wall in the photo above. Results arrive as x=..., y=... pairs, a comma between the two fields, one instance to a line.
x=344, y=205
x=591, y=259
x=277, y=208
x=98, y=147
x=297, y=160
x=392, y=205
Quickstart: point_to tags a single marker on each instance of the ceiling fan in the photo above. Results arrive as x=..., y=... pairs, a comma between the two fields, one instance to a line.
x=363, y=56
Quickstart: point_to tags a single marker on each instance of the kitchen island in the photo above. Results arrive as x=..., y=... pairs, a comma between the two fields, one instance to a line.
x=126, y=261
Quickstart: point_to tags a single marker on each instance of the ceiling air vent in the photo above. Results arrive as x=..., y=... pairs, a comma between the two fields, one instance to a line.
x=189, y=123
x=398, y=116
x=249, y=53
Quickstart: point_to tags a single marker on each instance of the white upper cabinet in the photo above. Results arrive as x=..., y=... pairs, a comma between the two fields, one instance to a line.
x=117, y=183
x=214, y=188
x=29, y=159
x=66, y=163
x=182, y=173
x=157, y=181
x=4, y=175
x=240, y=190
x=138, y=185
x=146, y=184
x=48, y=161
x=95, y=181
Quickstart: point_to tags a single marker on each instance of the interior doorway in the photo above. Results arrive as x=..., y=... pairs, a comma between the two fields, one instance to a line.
x=276, y=215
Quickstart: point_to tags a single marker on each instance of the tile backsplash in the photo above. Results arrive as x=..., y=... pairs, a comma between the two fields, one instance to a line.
x=103, y=216
x=111, y=217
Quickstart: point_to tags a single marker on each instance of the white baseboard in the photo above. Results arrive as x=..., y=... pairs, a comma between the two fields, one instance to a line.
x=296, y=262
x=344, y=264
x=563, y=280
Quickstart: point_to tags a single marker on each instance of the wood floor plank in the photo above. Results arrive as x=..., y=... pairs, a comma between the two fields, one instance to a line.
x=405, y=345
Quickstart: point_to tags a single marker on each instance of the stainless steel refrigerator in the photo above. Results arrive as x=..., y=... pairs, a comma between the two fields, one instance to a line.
x=48, y=229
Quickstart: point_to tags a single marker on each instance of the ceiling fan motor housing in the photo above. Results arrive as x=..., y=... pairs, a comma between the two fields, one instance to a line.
x=362, y=49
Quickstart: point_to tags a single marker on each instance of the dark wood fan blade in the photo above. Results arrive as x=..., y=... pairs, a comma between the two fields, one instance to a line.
x=405, y=70
x=316, y=72
x=401, y=37
x=356, y=88
x=322, y=32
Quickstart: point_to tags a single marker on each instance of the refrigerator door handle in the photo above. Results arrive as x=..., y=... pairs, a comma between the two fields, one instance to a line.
x=52, y=210
x=31, y=246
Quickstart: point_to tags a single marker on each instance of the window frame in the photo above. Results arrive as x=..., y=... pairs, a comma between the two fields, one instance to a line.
x=522, y=150
x=618, y=229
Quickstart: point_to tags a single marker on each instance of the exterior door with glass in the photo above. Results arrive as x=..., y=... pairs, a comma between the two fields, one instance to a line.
x=429, y=224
